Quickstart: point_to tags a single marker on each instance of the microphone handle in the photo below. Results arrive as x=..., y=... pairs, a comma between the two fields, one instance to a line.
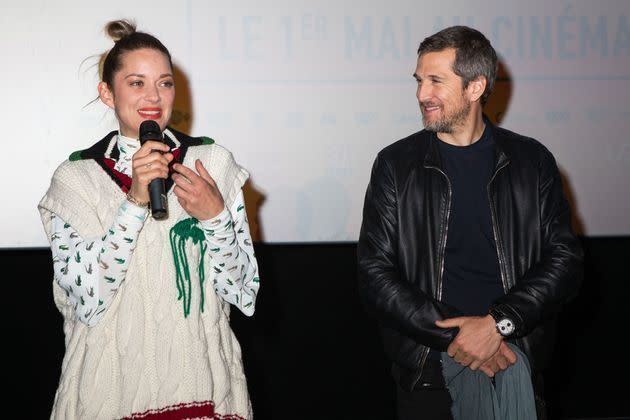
x=157, y=197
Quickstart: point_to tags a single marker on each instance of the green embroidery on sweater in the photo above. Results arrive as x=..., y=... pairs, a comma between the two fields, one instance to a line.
x=206, y=140
x=180, y=233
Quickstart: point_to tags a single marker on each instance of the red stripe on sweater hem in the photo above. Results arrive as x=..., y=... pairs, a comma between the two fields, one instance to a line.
x=192, y=410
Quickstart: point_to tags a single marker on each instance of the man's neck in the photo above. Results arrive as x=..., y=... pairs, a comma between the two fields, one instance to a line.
x=467, y=133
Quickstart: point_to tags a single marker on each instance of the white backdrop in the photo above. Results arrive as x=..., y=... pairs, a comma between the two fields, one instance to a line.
x=305, y=94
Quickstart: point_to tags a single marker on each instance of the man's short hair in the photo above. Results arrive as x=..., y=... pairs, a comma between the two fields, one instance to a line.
x=474, y=56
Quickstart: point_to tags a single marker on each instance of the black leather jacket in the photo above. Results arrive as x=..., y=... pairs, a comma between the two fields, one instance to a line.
x=403, y=238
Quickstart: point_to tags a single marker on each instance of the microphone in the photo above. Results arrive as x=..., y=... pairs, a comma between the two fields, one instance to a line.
x=150, y=130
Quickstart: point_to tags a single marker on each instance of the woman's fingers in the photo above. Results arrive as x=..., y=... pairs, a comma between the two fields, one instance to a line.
x=187, y=173
x=152, y=159
x=203, y=173
x=198, y=193
x=152, y=146
x=149, y=163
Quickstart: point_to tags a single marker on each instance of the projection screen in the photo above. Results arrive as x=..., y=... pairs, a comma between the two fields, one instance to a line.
x=306, y=93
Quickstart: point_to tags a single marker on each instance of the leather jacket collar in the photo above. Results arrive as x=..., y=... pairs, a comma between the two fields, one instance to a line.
x=432, y=157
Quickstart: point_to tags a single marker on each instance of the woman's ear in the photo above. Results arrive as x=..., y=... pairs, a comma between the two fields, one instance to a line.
x=106, y=95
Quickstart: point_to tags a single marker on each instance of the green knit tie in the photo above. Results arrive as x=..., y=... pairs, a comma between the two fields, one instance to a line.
x=180, y=233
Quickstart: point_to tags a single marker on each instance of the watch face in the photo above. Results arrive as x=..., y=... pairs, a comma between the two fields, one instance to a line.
x=505, y=327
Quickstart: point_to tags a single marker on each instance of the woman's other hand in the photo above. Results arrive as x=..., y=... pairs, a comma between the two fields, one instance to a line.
x=197, y=192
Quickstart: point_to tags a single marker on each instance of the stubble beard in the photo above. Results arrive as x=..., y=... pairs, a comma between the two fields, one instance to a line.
x=447, y=123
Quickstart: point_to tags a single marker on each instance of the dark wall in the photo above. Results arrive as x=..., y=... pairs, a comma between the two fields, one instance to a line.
x=310, y=352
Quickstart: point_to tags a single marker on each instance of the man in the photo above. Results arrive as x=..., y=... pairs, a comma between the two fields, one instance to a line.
x=466, y=241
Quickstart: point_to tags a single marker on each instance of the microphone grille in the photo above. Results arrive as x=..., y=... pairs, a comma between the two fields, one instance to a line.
x=149, y=130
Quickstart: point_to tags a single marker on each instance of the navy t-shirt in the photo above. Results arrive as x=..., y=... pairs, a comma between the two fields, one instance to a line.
x=471, y=280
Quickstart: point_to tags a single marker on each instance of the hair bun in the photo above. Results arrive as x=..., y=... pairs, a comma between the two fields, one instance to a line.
x=119, y=29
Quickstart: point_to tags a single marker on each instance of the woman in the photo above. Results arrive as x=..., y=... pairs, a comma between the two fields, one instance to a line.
x=146, y=302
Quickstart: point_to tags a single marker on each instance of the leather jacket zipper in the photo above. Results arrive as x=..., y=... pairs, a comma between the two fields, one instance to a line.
x=502, y=266
x=495, y=232
x=445, y=236
x=425, y=353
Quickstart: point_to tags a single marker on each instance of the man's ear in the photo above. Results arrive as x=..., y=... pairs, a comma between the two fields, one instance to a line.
x=476, y=88
x=106, y=95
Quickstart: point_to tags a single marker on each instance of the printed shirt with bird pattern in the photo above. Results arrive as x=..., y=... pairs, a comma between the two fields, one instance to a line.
x=90, y=270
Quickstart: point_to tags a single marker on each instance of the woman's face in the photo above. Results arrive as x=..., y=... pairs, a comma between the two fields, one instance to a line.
x=144, y=89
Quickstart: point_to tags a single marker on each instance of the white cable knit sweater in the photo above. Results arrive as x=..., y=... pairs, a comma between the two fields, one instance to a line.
x=144, y=357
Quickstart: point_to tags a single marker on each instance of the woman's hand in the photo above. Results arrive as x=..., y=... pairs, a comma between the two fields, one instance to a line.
x=148, y=164
x=197, y=192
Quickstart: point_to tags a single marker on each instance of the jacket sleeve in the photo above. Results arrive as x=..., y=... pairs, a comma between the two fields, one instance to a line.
x=556, y=277
x=394, y=301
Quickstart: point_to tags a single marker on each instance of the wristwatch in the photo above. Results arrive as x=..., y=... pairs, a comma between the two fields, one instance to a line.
x=505, y=326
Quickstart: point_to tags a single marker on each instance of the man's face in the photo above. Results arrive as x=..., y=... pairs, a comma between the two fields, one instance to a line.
x=441, y=95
